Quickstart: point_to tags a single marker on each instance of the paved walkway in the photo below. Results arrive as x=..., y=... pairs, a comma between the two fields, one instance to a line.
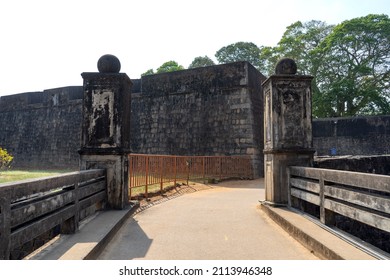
x=221, y=223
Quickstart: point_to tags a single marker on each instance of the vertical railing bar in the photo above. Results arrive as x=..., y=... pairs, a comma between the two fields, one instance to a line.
x=203, y=170
x=146, y=175
x=220, y=168
x=161, y=173
x=175, y=170
x=131, y=175
x=188, y=169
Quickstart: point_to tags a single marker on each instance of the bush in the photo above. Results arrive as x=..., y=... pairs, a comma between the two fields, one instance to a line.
x=5, y=159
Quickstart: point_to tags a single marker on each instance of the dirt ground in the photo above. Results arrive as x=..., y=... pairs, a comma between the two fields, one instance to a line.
x=170, y=193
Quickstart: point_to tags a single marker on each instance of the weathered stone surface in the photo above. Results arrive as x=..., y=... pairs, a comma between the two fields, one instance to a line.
x=109, y=64
x=42, y=129
x=32, y=208
x=287, y=130
x=286, y=66
x=288, y=124
x=105, y=137
x=206, y=111
x=366, y=164
x=106, y=111
x=352, y=135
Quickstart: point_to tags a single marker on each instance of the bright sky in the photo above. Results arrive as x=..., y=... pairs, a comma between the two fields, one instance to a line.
x=49, y=43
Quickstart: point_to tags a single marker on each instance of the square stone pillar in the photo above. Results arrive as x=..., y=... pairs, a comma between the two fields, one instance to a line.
x=105, y=139
x=287, y=128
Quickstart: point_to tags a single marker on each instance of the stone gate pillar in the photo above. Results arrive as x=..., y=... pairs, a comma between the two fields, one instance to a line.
x=106, y=127
x=287, y=128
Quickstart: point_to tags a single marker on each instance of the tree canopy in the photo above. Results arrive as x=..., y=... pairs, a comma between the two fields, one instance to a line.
x=148, y=72
x=169, y=66
x=354, y=70
x=240, y=51
x=349, y=62
x=201, y=61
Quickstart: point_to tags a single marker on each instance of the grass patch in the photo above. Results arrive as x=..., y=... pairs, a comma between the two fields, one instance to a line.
x=17, y=175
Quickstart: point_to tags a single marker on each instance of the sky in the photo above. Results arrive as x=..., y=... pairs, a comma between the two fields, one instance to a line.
x=47, y=44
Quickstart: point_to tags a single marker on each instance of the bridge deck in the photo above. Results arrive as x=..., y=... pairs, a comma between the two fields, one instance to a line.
x=222, y=222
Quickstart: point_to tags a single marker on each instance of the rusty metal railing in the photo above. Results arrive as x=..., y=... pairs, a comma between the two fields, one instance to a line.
x=153, y=173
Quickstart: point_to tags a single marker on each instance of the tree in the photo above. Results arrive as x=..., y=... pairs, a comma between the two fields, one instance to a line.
x=349, y=62
x=169, y=66
x=269, y=56
x=148, y=72
x=240, y=51
x=301, y=42
x=5, y=159
x=354, y=69
x=201, y=61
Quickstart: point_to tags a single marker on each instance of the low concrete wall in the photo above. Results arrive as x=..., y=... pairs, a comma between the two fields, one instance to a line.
x=365, y=164
x=32, y=210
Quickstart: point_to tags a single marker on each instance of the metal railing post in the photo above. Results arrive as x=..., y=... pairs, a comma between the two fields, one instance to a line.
x=188, y=162
x=146, y=175
x=175, y=171
x=130, y=174
x=203, y=169
x=161, y=174
x=220, y=168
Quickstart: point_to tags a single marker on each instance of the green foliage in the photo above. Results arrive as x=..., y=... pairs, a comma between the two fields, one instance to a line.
x=268, y=59
x=201, y=61
x=301, y=42
x=354, y=70
x=240, y=51
x=148, y=72
x=169, y=66
x=350, y=63
x=5, y=159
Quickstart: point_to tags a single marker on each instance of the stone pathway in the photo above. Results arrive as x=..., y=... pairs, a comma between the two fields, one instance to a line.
x=220, y=222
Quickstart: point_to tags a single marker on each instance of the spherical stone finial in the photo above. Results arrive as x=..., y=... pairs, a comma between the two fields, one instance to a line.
x=109, y=63
x=286, y=66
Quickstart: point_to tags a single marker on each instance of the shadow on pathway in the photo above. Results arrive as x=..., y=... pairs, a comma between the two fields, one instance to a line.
x=221, y=222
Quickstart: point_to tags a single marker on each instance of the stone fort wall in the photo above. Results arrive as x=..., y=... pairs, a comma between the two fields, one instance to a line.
x=216, y=110
x=42, y=129
x=205, y=111
x=352, y=136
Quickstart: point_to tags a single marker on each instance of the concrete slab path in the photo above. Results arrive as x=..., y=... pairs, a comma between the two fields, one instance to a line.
x=221, y=223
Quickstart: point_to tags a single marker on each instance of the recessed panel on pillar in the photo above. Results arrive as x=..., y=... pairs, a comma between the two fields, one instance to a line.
x=102, y=127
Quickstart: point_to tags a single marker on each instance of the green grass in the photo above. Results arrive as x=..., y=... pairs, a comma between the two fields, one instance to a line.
x=16, y=175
